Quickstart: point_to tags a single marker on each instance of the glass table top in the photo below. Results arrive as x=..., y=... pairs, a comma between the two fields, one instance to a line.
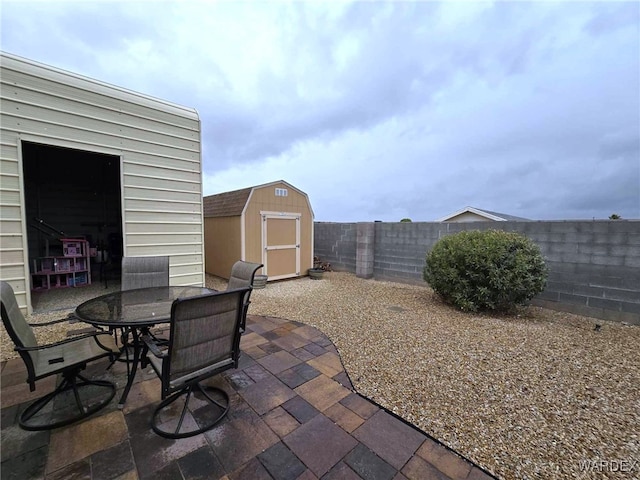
x=144, y=306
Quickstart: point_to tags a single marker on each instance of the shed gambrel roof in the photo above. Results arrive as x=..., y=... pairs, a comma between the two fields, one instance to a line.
x=227, y=204
x=231, y=204
x=488, y=214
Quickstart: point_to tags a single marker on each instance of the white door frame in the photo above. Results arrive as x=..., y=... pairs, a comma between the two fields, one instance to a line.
x=265, y=215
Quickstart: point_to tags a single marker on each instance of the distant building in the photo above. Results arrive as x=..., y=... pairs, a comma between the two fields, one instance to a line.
x=472, y=214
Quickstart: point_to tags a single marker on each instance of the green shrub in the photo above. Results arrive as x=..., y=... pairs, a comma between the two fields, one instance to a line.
x=486, y=270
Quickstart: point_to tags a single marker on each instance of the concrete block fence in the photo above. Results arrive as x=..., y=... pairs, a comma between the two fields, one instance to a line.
x=594, y=266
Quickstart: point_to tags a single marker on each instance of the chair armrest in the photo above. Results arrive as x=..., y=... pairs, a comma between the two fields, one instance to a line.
x=153, y=346
x=52, y=322
x=71, y=318
x=61, y=342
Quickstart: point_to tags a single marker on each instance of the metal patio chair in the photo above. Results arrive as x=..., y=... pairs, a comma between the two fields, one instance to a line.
x=68, y=357
x=242, y=275
x=141, y=272
x=204, y=341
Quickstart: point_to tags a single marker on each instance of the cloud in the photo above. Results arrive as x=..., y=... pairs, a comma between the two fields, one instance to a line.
x=380, y=110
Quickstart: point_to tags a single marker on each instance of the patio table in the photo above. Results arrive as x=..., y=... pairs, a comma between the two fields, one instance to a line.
x=135, y=311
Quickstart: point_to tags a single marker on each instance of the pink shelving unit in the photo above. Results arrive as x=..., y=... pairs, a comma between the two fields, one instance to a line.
x=72, y=269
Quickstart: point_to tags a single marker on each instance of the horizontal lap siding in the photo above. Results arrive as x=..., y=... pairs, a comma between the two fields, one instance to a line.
x=159, y=147
x=164, y=229
x=65, y=124
x=138, y=179
x=12, y=252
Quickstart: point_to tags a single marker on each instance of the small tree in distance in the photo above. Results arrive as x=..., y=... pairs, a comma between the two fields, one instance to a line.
x=614, y=216
x=405, y=220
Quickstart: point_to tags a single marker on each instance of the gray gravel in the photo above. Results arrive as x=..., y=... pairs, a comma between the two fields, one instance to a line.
x=527, y=396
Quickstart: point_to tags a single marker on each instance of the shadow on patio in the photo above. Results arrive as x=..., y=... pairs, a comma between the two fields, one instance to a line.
x=294, y=415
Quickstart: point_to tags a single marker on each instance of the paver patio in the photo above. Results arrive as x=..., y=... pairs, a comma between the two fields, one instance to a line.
x=294, y=415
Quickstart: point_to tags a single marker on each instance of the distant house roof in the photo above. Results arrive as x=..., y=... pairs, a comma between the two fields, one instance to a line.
x=484, y=214
x=231, y=204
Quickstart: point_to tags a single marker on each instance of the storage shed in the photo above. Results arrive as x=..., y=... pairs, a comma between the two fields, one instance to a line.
x=270, y=224
x=91, y=160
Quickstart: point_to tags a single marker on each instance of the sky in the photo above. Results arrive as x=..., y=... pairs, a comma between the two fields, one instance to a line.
x=379, y=110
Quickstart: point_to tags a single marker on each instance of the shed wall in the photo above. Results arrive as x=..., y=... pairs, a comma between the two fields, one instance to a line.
x=223, y=245
x=158, y=144
x=264, y=199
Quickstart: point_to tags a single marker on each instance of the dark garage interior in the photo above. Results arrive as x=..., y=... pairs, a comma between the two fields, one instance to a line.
x=74, y=194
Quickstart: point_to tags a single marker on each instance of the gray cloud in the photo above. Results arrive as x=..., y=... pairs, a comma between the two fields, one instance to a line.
x=381, y=109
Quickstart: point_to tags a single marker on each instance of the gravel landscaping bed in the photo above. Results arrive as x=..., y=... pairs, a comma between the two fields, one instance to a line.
x=530, y=396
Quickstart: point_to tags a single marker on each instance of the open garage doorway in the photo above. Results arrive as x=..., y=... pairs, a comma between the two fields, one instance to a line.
x=74, y=194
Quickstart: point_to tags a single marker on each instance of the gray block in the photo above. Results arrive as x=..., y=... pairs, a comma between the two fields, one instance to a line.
x=631, y=261
x=605, y=304
x=630, y=307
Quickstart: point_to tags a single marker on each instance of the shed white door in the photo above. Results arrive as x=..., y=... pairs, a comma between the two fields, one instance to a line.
x=281, y=244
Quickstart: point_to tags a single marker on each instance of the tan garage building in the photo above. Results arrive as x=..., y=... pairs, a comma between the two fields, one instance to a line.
x=270, y=224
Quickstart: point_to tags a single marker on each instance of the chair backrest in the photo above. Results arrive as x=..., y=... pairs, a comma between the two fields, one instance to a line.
x=242, y=274
x=205, y=335
x=141, y=272
x=15, y=323
x=17, y=327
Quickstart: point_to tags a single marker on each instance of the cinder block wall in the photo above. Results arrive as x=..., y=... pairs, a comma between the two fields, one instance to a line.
x=336, y=243
x=594, y=266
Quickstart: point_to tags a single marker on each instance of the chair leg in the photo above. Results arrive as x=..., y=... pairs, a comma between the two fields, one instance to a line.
x=184, y=410
x=221, y=408
x=84, y=409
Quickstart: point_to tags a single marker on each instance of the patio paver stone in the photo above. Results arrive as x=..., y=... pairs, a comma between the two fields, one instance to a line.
x=293, y=416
